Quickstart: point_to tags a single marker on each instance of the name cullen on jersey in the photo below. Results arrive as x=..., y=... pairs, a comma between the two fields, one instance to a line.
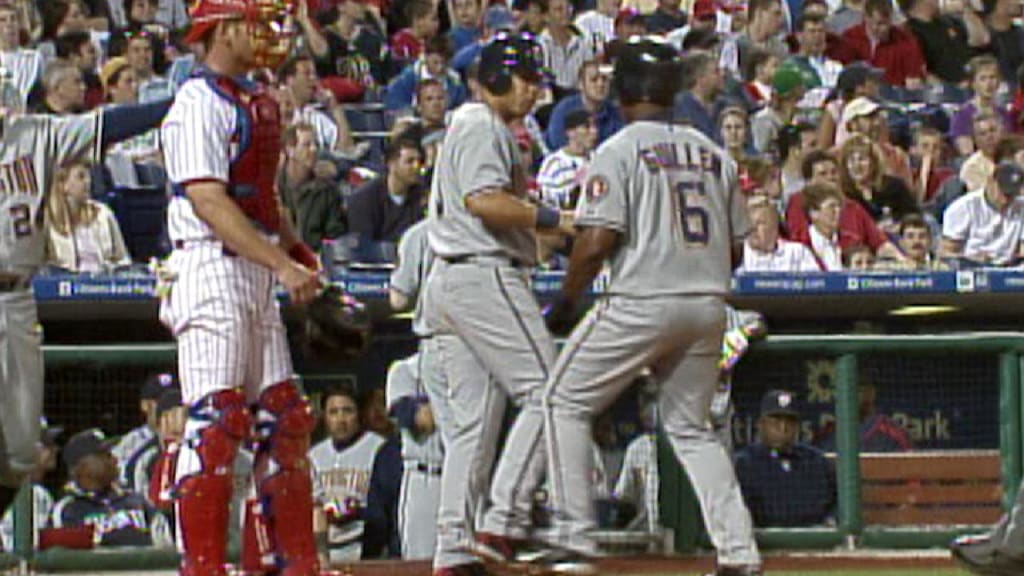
x=673, y=155
x=18, y=177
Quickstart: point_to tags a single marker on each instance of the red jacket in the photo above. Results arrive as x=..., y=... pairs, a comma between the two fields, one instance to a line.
x=855, y=225
x=900, y=56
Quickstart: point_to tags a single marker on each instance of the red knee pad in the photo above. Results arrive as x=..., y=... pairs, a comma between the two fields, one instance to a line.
x=288, y=504
x=292, y=420
x=231, y=424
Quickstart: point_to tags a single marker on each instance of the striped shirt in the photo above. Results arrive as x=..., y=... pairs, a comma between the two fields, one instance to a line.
x=25, y=66
x=565, y=61
x=324, y=126
x=559, y=174
x=638, y=481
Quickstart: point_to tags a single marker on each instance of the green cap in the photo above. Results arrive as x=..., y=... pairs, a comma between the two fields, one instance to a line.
x=787, y=80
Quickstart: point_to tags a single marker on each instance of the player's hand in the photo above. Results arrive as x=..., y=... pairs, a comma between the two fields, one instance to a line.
x=301, y=283
x=424, y=420
x=560, y=316
x=567, y=223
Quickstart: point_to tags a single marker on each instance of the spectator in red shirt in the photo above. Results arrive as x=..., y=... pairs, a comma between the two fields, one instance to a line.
x=855, y=225
x=889, y=47
x=407, y=44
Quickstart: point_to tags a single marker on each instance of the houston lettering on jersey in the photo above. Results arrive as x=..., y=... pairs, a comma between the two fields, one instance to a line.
x=346, y=482
x=18, y=178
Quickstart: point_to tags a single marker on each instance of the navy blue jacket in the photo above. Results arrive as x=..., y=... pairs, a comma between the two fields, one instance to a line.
x=608, y=118
x=121, y=518
x=792, y=488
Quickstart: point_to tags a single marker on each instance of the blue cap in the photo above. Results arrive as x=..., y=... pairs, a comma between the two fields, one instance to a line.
x=498, y=17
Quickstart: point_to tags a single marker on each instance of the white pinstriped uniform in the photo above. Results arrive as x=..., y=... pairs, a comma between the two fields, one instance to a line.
x=222, y=309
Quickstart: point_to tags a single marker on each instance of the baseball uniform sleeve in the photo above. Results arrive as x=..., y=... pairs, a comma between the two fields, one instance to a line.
x=484, y=163
x=406, y=278
x=400, y=382
x=196, y=135
x=603, y=203
x=75, y=137
x=956, y=222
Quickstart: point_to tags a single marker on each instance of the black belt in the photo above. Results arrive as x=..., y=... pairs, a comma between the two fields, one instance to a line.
x=14, y=283
x=428, y=469
x=479, y=259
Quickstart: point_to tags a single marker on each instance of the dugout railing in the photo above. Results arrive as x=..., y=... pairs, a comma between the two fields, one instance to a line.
x=679, y=511
x=849, y=354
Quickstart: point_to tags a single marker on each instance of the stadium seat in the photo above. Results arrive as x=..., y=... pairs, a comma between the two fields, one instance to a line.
x=142, y=214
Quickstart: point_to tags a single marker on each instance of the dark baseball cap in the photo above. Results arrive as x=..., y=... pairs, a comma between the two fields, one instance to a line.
x=1010, y=177
x=856, y=74
x=85, y=443
x=169, y=398
x=779, y=403
x=515, y=53
x=155, y=385
x=48, y=434
x=577, y=118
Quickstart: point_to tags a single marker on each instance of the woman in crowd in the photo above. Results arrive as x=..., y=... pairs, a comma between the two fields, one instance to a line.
x=83, y=233
x=732, y=128
x=863, y=179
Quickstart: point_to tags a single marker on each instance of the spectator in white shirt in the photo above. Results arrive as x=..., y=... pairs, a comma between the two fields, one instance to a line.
x=83, y=234
x=565, y=48
x=985, y=226
x=599, y=24
x=24, y=65
x=764, y=251
x=316, y=106
x=978, y=168
x=562, y=171
x=823, y=204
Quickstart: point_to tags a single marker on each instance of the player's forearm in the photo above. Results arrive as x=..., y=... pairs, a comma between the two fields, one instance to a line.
x=123, y=122
x=232, y=226
x=503, y=211
x=591, y=249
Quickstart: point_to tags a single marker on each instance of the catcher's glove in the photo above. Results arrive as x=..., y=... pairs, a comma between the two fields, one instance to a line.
x=337, y=324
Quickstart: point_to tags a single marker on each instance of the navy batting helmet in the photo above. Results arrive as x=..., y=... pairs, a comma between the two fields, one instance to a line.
x=647, y=70
x=508, y=54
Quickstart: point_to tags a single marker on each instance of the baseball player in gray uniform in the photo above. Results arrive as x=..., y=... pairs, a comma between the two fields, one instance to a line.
x=482, y=229
x=422, y=457
x=417, y=387
x=32, y=147
x=662, y=207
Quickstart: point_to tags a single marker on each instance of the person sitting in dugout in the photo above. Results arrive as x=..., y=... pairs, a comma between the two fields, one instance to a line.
x=784, y=481
x=92, y=500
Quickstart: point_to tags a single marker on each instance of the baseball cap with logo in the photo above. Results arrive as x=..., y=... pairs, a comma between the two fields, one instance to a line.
x=779, y=403
x=155, y=385
x=205, y=14
x=85, y=443
x=170, y=398
x=1010, y=177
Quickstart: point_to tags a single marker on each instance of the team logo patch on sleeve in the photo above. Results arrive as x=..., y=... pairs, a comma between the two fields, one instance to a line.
x=597, y=187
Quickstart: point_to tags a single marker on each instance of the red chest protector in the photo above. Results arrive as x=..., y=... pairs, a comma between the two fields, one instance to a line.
x=253, y=169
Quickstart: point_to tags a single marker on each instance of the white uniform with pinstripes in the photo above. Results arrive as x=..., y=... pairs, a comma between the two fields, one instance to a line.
x=222, y=309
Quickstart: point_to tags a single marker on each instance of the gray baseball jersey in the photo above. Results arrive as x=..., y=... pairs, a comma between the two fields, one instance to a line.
x=127, y=448
x=32, y=147
x=403, y=382
x=422, y=459
x=341, y=475
x=478, y=153
x=414, y=261
x=669, y=201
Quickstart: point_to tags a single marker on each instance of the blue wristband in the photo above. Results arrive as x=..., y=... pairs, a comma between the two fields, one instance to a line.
x=548, y=217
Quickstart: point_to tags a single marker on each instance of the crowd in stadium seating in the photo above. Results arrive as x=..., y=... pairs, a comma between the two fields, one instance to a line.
x=852, y=122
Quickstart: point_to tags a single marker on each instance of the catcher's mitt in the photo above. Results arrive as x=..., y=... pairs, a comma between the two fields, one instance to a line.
x=337, y=324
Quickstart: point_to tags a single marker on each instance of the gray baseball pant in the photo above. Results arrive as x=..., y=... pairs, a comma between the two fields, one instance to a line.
x=21, y=385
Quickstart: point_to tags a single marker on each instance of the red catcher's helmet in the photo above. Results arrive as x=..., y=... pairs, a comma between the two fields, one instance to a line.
x=272, y=24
